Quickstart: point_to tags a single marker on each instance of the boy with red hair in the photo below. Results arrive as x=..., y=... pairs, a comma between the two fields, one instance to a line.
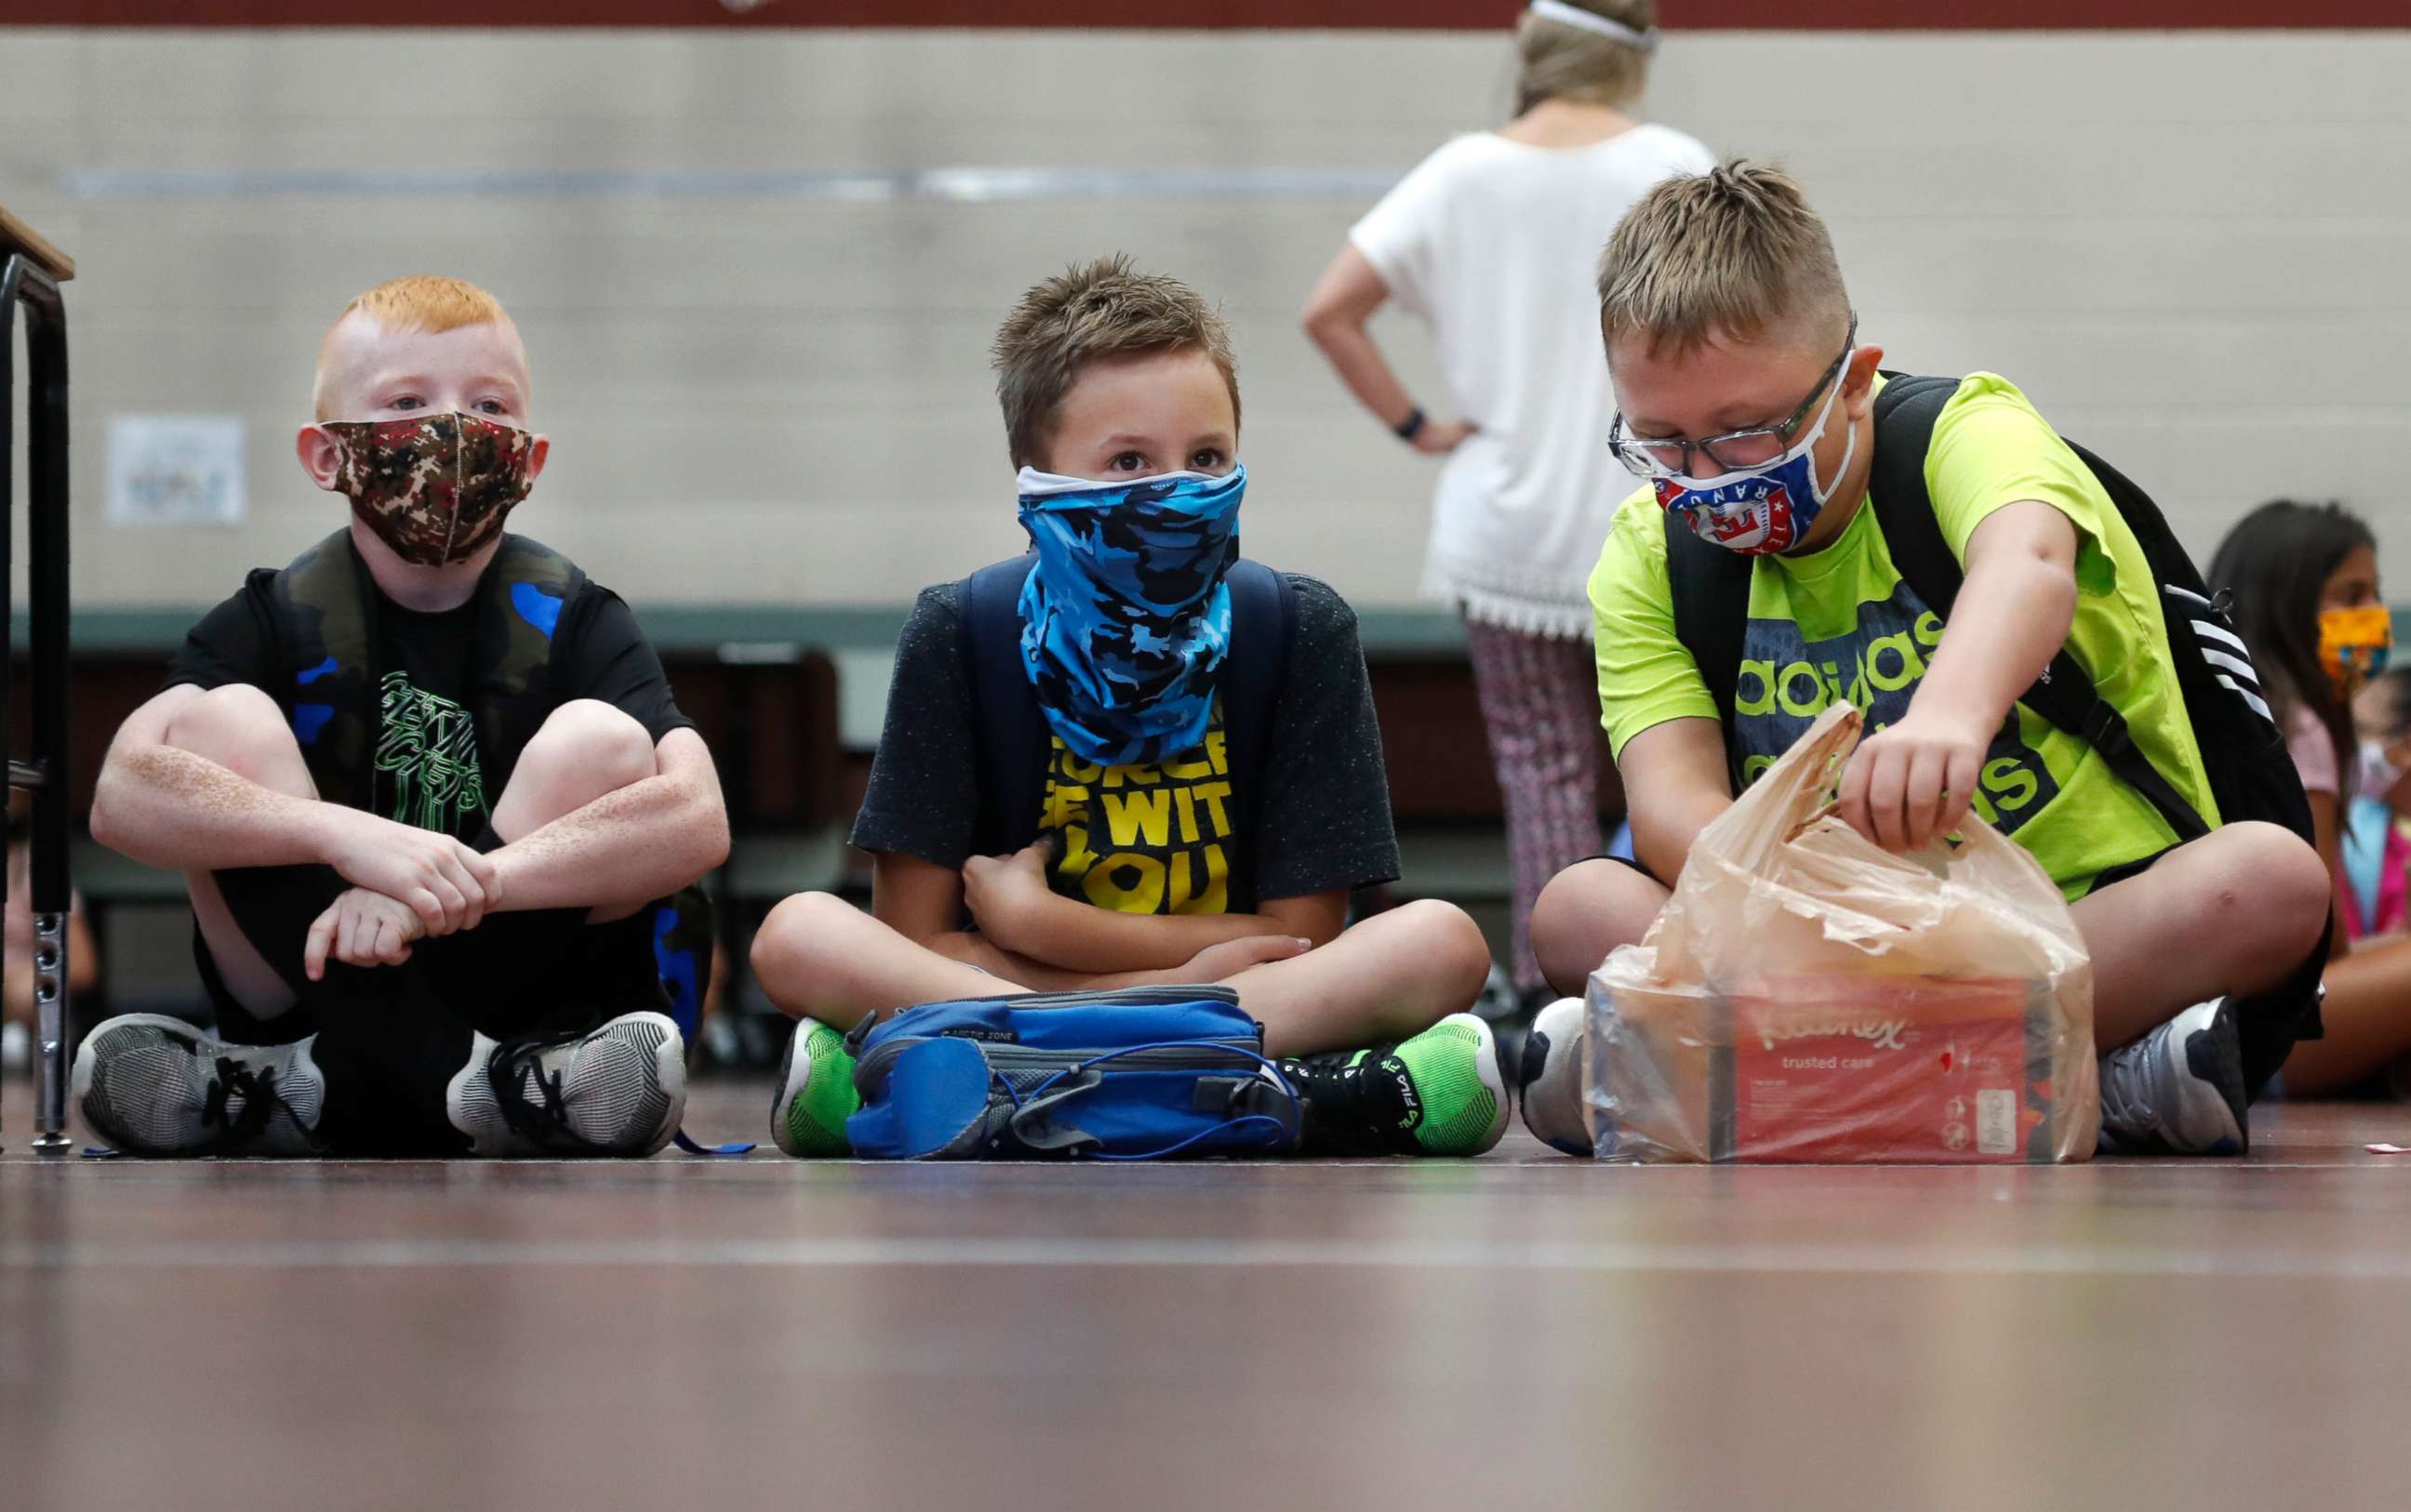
x=423, y=784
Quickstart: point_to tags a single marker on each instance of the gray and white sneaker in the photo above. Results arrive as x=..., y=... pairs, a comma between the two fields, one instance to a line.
x=2178, y=1090
x=157, y=1085
x=617, y=1090
x=1550, y=1074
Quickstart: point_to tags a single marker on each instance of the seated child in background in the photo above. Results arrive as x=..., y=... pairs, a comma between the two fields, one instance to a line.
x=2373, y=845
x=1134, y=851
x=1748, y=403
x=2304, y=580
x=18, y=1023
x=424, y=785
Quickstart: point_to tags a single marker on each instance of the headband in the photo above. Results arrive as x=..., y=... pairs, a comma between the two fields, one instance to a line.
x=1588, y=21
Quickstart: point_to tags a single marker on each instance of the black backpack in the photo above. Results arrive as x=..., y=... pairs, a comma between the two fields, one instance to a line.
x=1010, y=737
x=2251, y=775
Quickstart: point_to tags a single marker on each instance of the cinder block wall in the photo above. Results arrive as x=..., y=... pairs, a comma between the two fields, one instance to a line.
x=2193, y=249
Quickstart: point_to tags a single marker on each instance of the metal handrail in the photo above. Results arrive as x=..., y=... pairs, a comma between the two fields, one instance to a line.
x=24, y=282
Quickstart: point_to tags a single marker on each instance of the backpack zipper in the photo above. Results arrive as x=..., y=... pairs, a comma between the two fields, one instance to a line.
x=871, y=1069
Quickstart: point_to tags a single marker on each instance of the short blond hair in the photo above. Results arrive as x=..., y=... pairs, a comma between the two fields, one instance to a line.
x=1735, y=250
x=1102, y=308
x=1556, y=59
x=426, y=302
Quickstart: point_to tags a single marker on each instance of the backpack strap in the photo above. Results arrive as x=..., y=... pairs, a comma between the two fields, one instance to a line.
x=322, y=613
x=1905, y=411
x=1264, y=626
x=1009, y=734
x=522, y=598
x=1710, y=587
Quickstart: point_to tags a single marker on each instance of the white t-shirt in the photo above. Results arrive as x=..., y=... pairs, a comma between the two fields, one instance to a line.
x=1496, y=244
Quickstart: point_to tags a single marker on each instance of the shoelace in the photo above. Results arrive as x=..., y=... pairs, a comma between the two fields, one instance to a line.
x=1333, y=1088
x=258, y=1090
x=545, y=1116
x=2125, y=1093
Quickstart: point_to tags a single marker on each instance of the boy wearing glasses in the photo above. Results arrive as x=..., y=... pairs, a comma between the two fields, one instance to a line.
x=1747, y=402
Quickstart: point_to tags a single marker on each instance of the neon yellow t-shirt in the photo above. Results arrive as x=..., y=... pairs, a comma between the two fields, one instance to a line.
x=1840, y=624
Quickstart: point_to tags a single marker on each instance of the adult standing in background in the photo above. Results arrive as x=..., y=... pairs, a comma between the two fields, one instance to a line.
x=1494, y=240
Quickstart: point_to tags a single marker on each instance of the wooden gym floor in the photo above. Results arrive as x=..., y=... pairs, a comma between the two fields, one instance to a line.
x=1517, y=1331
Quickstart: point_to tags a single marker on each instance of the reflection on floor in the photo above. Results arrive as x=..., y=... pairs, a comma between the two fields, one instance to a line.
x=1520, y=1331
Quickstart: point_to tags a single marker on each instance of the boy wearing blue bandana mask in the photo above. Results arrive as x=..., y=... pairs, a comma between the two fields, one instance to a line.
x=1162, y=852
x=1746, y=401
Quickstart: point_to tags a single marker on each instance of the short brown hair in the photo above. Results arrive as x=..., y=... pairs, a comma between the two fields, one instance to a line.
x=1735, y=249
x=1559, y=61
x=1095, y=310
x=427, y=302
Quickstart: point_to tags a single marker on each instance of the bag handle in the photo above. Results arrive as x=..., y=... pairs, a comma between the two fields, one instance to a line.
x=1031, y=1109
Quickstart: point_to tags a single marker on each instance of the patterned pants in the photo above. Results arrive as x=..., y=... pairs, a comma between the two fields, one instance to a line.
x=1540, y=705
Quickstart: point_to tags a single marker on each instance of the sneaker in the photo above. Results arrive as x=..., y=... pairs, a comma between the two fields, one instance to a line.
x=156, y=1085
x=617, y=1090
x=1439, y=1093
x=816, y=1093
x=1548, y=1078
x=2178, y=1090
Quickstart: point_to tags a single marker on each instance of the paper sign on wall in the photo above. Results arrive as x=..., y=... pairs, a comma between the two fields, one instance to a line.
x=175, y=469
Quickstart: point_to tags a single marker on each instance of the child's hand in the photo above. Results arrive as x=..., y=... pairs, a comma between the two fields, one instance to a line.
x=361, y=928
x=448, y=885
x=1007, y=895
x=1220, y=962
x=1912, y=782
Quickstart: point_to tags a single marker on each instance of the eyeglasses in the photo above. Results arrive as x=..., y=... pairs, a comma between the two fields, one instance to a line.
x=1734, y=451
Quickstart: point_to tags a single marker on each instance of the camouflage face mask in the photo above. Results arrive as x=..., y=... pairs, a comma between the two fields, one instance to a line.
x=433, y=488
x=1126, y=617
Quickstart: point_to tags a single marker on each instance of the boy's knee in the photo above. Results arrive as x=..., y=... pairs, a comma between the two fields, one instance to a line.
x=238, y=726
x=1454, y=957
x=1585, y=913
x=2272, y=880
x=599, y=741
x=792, y=935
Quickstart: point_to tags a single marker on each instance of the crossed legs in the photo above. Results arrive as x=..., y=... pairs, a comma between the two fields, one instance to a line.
x=1386, y=979
x=391, y=1038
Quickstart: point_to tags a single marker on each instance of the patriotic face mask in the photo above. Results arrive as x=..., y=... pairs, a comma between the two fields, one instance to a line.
x=433, y=488
x=1760, y=510
x=1126, y=617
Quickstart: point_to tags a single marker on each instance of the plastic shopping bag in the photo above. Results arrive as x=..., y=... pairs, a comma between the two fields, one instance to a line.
x=1806, y=996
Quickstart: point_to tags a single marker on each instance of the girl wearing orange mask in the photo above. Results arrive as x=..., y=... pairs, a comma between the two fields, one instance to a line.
x=2305, y=585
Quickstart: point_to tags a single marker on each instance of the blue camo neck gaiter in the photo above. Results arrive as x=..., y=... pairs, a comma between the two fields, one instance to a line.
x=1126, y=619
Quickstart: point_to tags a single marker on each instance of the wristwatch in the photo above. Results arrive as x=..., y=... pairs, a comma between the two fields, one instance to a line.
x=1411, y=426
